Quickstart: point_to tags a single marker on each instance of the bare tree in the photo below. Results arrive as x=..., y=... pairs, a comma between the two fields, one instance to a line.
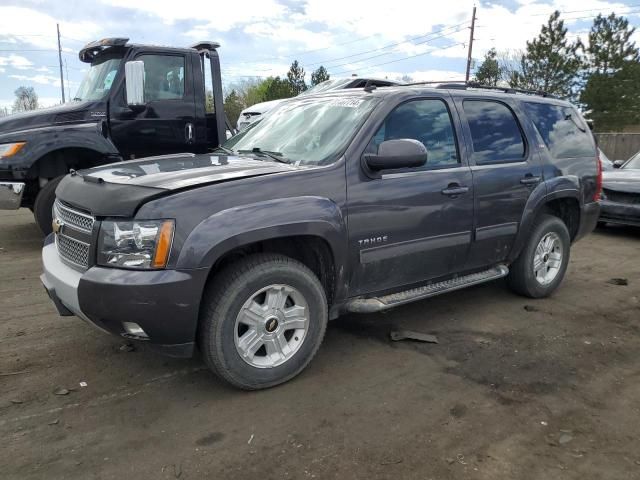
x=26, y=99
x=510, y=65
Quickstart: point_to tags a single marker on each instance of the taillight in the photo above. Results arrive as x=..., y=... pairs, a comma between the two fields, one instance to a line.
x=597, y=195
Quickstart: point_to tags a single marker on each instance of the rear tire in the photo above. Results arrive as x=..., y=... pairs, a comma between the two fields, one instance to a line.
x=541, y=266
x=263, y=320
x=44, y=204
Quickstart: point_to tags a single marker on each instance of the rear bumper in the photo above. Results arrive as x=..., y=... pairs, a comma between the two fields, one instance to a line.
x=11, y=195
x=588, y=219
x=164, y=303
x=621, y=213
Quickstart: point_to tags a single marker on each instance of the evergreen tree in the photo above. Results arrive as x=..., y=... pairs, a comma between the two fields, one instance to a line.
x=614, y=99
x=550, y=62
x=610, y=45
x=277, y=88
x=295, y=76
x=319, y=76
x=489, y=72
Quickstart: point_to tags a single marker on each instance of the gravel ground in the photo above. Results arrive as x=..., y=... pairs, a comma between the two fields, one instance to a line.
x=516, y=389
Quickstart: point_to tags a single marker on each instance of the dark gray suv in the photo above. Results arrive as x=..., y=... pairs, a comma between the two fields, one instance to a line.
x=353, y=201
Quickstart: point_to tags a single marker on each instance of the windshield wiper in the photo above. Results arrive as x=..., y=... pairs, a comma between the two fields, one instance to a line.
x=276, y=156
x=225, y=150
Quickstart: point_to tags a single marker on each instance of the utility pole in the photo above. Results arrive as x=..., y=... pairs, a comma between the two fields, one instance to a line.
x=469, y=56
x=66, y=72
x=60, y=61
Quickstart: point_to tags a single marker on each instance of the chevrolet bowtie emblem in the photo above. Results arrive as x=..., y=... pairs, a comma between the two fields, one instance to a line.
x=57, y=225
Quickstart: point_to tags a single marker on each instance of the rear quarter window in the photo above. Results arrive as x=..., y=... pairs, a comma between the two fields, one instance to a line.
x=495, y=132
x=562, y=130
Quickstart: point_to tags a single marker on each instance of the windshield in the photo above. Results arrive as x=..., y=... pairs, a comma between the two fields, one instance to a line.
x=98, y=80
x=633, y=163
x=306, y=131
x=335, y=84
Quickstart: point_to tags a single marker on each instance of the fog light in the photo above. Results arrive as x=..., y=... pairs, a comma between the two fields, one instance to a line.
x=134, y=330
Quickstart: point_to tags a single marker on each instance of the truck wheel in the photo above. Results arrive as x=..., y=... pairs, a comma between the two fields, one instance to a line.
x=44, y=203
x=542, y=264
x=263, y=320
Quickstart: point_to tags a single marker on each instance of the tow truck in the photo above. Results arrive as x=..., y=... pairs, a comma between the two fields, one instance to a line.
x=134, y=101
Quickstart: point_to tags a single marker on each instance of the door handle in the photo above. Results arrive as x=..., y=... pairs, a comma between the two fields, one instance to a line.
x=188, y=132
x=453, y=190
x=530, y=180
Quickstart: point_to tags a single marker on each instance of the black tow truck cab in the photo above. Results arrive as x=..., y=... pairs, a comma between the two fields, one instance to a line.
x=134, y=101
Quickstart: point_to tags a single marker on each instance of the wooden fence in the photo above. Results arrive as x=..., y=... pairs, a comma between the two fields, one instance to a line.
x=619, y=146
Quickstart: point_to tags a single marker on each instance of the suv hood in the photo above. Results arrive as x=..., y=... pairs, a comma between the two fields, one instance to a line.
x=622, y=180
x=120, y=188
x=172, y=172
x=66, y=113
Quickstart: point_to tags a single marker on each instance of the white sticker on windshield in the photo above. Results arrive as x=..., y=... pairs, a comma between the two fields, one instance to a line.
x=346, y=102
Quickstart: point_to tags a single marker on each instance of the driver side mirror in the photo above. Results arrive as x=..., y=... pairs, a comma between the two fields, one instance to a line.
x=618, y=163
x=400, y=153
x=134, y=77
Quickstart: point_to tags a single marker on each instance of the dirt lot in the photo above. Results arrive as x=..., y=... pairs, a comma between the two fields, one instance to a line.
x=516, y=389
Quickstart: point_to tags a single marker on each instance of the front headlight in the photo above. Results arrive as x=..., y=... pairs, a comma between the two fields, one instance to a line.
x=10, y=149
x=142, y=244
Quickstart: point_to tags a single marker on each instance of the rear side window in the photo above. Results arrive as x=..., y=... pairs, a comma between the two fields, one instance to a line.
x=562, y=130
x=427, y=121
x=495, y=132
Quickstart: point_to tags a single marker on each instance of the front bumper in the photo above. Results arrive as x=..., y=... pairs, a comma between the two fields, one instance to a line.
x=164, y=303
x=11, y=195
x=621, y=213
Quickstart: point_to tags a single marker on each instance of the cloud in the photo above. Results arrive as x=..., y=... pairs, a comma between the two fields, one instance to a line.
x=26, y=25
x=15, y=61
x=40, y=79
x=500, y=28
x=287, y=33
x=227, y=14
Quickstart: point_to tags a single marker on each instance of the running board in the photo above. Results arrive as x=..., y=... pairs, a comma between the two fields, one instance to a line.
x=376, y=304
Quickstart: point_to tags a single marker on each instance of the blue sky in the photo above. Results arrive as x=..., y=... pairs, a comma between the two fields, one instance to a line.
x=423, y=39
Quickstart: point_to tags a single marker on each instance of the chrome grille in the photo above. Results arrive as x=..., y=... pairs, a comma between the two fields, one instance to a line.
x=73, y=234
x=72, y=250
x=73, y=218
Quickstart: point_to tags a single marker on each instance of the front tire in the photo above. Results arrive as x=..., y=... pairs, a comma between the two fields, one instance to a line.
x=262, y=321
x=541, y=266
x=43, y=205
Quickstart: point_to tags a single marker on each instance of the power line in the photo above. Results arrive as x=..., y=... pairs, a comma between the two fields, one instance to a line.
x=409, y=40
x=369, y=67
x=306, y=52
x=580, y=11
x=392, y=52
x=28, y=50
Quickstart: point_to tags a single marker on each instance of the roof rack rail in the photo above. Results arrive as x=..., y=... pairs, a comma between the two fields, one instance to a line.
x=431, y=82
x=463, y=85
x=540, y=93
